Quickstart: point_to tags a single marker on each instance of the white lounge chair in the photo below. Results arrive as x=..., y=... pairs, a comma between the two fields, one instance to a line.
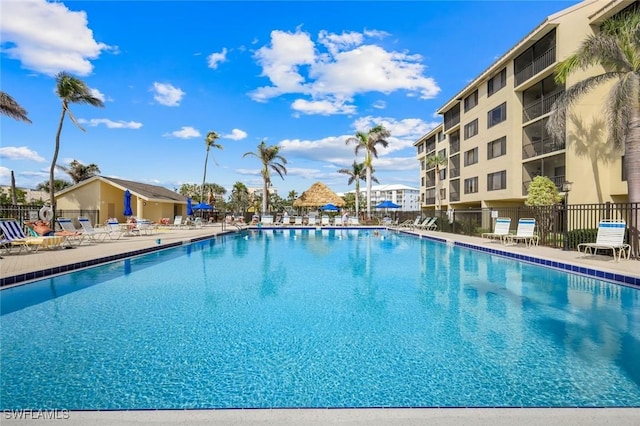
x=73, y=234
x=115, y=228
x=298, y=221
x=525, y=233
x=354, y=221
x=266, y=219
x=312, y=220
x=92, y=233
x=429, y=224
x=325, y=220
x=411, y=223
x=500, y=230
x=337, y=221
x=610, y=237
x=177, y=223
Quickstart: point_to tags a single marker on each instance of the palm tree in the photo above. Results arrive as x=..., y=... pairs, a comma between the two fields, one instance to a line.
x=59, y=185
x=356, y=173
x=8, y=106
x=271, y=160
x=70, y=90
x=375, y=136
x=239, y=199
x=617, y=49
x=210, y=142
x=437, y=161
x=78, y=171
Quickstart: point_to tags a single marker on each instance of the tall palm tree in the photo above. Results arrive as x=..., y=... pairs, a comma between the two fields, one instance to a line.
x=356, y=173
x=8, y=106
x=210, y=142
x=271, y=160
x=70, y=90
x=239, y=199
x=78, y=171
x=368, y=141
x=617, y=48
x=438, y=161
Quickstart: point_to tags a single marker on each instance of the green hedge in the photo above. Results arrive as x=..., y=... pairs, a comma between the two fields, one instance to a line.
x=579, y=236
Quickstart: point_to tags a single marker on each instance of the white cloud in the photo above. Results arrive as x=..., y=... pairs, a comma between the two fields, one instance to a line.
x=97, y=94
x=337, y=68
x=166, y=94
x=47, y=37
x=236, y=135
x=185, y=132
x=120, y=124
x=4, y=172
x=20, y=153
x=379, y=104
x=216, y=58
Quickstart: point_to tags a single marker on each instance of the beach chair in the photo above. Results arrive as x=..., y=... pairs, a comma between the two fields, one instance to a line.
x=297, y=221
x=14, y=236
x=72, y=233
x=429, y=224
x=354, y=221
x=524, y=233
x=115, y=228
x=411, y=223
x=500, y=230
x=177, y=222
x=92, y=233
x=610, y=237
x=266, y=219
x=337, y=221
x=324, y=221
x=312, y=220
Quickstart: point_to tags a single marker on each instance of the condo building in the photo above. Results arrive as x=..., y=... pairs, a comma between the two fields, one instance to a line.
x=493, y=139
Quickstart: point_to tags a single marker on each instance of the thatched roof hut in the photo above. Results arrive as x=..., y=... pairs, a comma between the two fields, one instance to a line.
x=318, y=195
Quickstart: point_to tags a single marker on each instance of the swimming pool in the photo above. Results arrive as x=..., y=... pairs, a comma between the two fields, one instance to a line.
x=331, y=318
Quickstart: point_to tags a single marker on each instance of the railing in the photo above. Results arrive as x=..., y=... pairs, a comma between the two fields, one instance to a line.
x=556, y=226
x=543, y=146
x=454, y=172
x=540, y=107
x=454, y=147
x=451, y=120
x=557, y=180
x=454, y=196
x=430, y=200
x=23, y=212
x=538, y=64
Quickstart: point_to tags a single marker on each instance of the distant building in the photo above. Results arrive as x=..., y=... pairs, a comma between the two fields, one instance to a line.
x=403, y=195
x=31, y=195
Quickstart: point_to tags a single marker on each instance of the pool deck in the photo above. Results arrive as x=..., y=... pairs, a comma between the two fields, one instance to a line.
x=28, y=264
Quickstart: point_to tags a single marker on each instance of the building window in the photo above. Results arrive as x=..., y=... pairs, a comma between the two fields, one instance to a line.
x=442, y=174
x=497, y=180
x=497, y=115
x=471, y=129
x=420, y=148
x=471, y=101
x=471, y=157
x=441, y=136
x=497, y=82
x=497, y=148
x=443, y=193
x=471, y=185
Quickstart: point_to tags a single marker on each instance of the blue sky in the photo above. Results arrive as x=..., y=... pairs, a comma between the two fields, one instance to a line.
x=301, y=75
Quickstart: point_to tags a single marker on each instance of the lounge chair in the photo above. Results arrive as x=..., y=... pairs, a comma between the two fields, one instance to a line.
x=324, y=221
x=14, y=236
x=525, y=233
x=286, y=220
x=92, y=233
x=312, y=220
x=411, y=223
x=354, y=221
x=610, y=237
x=500, y=230
x=115, y=228
x=297, y=221
x=72, y=233
x=266, y=219
x=429, y=224
x=177, y=222
x=337, y=221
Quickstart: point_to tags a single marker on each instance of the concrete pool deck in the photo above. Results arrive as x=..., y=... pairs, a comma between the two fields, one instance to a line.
x=19, y=264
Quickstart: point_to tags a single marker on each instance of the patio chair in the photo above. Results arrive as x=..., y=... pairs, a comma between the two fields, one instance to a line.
x=429, y=224
x=297, y=221
x=500, y=230
x=337, y=221
x=54, y=241
x=411, y=223
x=266, y=219
x=312, y=220
x=92, y=233
x=324, y=221
x=177, y=222
x=115, y=228
x=354, y=221
x=14, y=236
x=525, y=233
x=610, y=237
x=71, y=232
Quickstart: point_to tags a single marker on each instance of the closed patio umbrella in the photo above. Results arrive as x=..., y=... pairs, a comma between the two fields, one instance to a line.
x=189, y=207
x=127, y=203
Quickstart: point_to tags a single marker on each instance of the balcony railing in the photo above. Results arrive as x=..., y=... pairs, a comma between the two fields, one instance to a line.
x=454, y=196
x=454, y=173
x=538, y=64
x=430, y=200
x=430, y=182
x=451, y=120
x=557, y=181
x=454, y=147
x=540, y=107
x=541, y=147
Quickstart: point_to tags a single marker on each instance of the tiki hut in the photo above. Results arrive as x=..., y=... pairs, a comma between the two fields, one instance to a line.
x=318, y=195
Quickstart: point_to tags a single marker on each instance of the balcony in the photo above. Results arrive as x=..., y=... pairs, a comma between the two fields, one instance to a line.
x=540, y=108
x=557, y=180
x=541, y=147
x=430, y=200
x=538, y=64
x=454, y=196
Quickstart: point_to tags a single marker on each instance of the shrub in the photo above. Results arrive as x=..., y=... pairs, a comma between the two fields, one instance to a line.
x=579, y=236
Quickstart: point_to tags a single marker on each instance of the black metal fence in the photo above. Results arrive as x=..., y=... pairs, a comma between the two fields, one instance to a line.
x=30, y=212
x=557, y=226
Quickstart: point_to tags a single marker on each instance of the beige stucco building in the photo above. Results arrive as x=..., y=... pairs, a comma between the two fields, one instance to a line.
x=493, y=136
x=106, y=195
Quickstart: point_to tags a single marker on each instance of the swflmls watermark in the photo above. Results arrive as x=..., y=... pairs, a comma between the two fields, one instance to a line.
x=54, y=414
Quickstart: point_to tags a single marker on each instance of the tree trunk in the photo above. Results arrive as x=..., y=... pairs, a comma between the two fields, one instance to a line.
x=54, y=160
x=369, y=191
x=14, y=196
x=265, y=193
x=204, y=177
x=357, y=198
x=632, y=158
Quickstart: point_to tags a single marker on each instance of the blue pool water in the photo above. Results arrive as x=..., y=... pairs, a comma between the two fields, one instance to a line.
x=339, y=318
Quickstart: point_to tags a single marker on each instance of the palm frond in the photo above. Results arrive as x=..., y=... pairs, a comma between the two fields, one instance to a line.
x=11, y=108
x=620, y=105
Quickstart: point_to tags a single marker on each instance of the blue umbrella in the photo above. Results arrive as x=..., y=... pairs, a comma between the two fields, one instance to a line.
x=202, y=206
x=189, y=207
x=330, y=207
x=388, y=205
x=127, y=203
